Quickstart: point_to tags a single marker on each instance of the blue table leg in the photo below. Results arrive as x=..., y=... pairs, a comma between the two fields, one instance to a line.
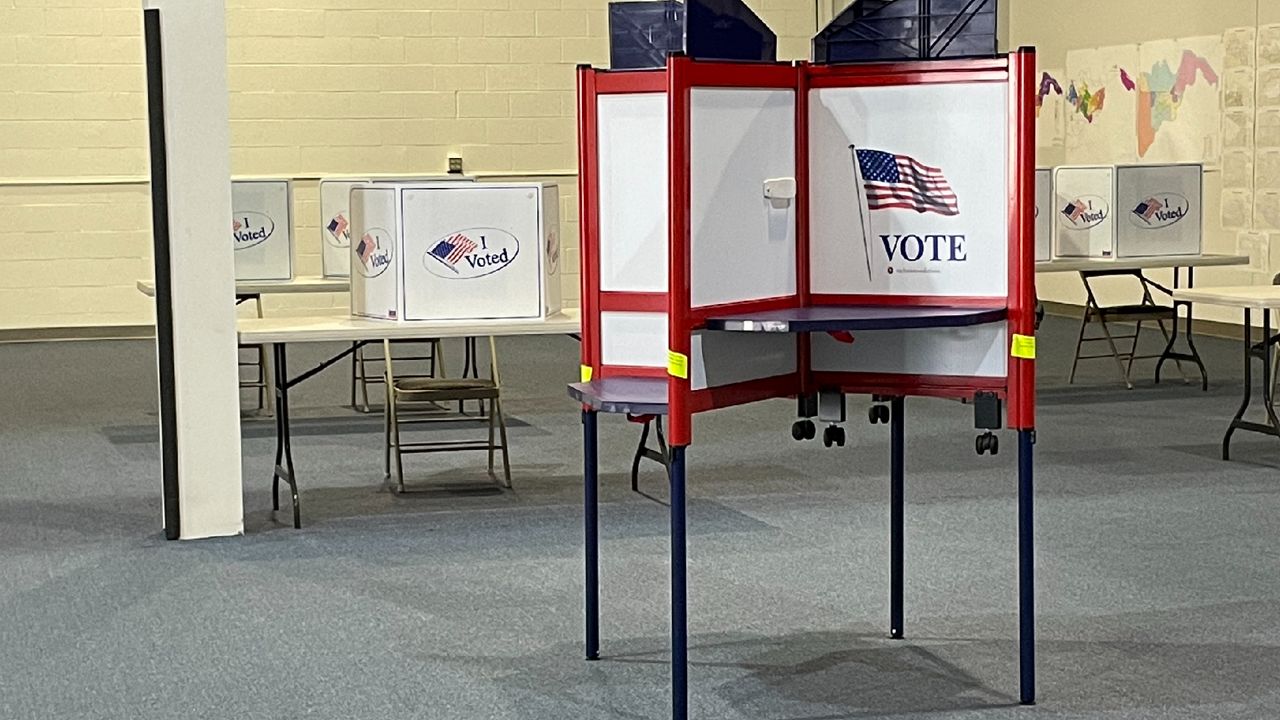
x=1026, y=569
x=897, y=474
x=590, y=514
x=679, y=594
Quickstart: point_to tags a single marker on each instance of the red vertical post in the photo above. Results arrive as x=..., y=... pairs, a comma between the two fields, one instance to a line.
x=589, y=217
x=679, y=296
x=1022, y=293
x=802, y=218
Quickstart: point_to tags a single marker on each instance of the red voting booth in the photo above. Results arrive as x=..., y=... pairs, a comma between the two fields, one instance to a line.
x=765, y=230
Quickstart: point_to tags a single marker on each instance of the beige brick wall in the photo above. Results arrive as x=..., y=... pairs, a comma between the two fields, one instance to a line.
x=317, y=87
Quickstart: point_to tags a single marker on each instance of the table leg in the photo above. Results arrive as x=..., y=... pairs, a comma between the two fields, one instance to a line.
x=896, y=502
x=1026, y=569
x=284, y=445
x=679, y=592
x=1248, y=386
x=1267, y=367
x=590, y=512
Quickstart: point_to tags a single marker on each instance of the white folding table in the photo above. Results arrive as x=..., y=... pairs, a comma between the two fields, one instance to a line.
x=253, y=290
x=1091, y=268
x=279, y=332
x=248, y=289
x=1264, y=298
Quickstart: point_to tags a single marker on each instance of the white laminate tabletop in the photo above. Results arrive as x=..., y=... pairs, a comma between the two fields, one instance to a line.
x=1139, y=263
x=345, y=328
x=1253, y=297
x=300, y=284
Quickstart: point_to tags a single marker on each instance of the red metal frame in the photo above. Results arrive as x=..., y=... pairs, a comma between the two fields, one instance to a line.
x=679, y=78
x=679, y=290
x=1022, y=253
x=589, y=214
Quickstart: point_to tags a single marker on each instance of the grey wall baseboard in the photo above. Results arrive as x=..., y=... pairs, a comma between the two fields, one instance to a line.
x=87, y=332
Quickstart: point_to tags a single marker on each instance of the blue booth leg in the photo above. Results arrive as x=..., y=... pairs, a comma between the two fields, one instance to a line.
x=590, y=514
x=897, y=472
x=1026, y=569
x=679, y=595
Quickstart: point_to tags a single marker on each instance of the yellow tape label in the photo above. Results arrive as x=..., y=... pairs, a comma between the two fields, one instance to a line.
x=1024, y=346
x=586, y=373
x=677, y=365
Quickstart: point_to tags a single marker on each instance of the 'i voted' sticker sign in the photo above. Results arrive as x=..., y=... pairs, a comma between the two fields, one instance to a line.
x=250, y=229
x=471, y=253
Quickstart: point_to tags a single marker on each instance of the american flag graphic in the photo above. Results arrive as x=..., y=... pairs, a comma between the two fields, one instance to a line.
x=235, y=226
x=338, y=228
x=1147, y=208
x=899, y=182
x=1074, y=210
x=366, y=247
x=452, y=249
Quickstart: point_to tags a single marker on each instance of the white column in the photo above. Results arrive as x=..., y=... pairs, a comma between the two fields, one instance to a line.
x=206, y=407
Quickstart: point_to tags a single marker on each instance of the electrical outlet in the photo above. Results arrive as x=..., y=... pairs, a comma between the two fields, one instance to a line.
x=455, y=164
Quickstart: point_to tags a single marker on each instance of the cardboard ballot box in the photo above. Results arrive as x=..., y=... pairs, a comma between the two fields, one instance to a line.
x=1084, y=220
x=262, y=229
x=455, y=251
x=1162, y=208
x=1044, y=214
x=335, y=217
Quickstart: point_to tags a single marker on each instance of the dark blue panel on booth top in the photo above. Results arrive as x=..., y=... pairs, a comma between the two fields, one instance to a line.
x=878, y=30
x=643, y=33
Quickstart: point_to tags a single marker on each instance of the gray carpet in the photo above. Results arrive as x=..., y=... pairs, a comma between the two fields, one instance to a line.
x=1159, y=567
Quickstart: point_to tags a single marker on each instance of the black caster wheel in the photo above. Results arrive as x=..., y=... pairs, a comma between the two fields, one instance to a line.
x=833, y=436
x=804, y=430
x=878, y=414
x=987, y=443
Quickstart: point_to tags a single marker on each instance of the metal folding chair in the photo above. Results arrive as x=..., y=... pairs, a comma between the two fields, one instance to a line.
x=415, y=400
x=362, y=377
x=254, y=360
x=1147, y=310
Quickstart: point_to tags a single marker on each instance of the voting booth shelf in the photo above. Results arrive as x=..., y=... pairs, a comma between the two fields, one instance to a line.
x=262, y=229
x=455, y=251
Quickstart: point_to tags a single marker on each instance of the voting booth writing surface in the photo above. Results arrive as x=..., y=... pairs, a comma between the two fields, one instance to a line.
x=460, y=251
x=262, y=229
x=717, y=189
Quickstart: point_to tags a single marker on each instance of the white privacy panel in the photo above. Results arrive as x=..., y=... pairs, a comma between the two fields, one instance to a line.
x=1084, y=213
x=633, y=338
x=1044, y=214
x=976, y=351
x=335, y=226
x=743, y=244
x=723, y=358
x=1163, y=210
x=909, y=189
x=375, y=224
x=632, y=138
x=262, y=229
